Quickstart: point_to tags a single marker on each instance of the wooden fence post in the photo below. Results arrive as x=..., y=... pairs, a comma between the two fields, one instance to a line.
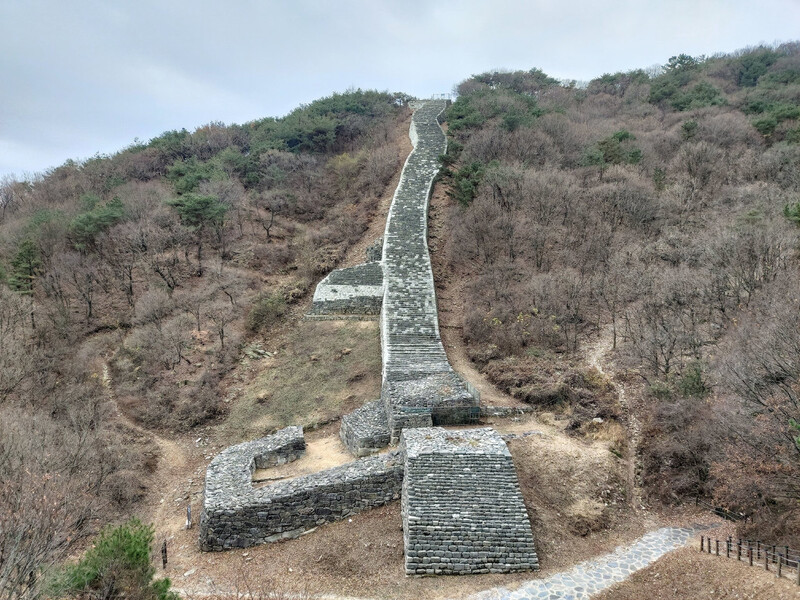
x=716, y=545
x=728, y=548
x=758, y=549
x=750, y=556
x=780, y=562
x=766, y=559
x=739, y=550
x=773, y=553
x=164, y=554
x=702, y=543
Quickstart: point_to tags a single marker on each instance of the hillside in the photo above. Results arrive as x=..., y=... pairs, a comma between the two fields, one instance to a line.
x=655, y=216
x=135, y=284
x=621, y=257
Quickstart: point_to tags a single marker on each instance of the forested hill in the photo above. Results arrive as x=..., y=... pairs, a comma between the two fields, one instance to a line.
x=652, y=215
x=145, y=274
x=660, y=212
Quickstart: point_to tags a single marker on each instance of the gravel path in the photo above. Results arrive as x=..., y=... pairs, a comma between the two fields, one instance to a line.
x=592, y=576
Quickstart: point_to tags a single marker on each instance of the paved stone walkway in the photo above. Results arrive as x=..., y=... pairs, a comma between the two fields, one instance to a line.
x=592, y=576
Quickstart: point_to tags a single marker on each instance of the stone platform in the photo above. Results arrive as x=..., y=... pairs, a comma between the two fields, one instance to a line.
x=364, y=431
x=462, y=508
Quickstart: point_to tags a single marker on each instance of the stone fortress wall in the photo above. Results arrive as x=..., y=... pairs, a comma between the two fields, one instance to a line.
x=238, y=515
x=477, y=525
x=462, y=508
x=419, y=388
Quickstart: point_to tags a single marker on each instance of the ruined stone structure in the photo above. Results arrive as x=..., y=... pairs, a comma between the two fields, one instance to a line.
x=237, y=515
x=365, y=430
x=462, y=508
x=354, y=291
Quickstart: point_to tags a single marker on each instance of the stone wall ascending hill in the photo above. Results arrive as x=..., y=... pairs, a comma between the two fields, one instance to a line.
x=419, y=386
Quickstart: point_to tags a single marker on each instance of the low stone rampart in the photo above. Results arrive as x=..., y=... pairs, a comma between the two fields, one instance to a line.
x=354, y=290
x=237, y=515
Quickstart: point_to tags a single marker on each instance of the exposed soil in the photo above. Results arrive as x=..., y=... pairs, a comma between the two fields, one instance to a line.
x=321, y=453
x=598, y=354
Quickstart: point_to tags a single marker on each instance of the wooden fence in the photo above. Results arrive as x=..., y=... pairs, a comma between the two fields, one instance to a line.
x=783, y=560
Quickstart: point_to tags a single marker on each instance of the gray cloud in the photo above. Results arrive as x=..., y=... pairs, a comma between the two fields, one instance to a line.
x=89, y=76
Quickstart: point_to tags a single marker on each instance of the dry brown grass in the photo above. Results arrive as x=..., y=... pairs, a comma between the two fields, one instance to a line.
x=324, y=369
x=686, y=573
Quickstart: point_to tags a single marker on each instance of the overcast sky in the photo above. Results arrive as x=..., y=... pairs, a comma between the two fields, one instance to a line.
x=78, y=77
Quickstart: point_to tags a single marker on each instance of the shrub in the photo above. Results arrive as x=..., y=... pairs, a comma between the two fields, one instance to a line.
x=186, y=175
x=691, y=383
x=117, y=566
x=25, y=267
x=265, y=312
x=702, y=94
x=792, y=212
x=466, y=181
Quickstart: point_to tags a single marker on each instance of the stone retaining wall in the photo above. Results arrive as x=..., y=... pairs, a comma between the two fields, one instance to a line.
x=237, y=515
x=350, y=291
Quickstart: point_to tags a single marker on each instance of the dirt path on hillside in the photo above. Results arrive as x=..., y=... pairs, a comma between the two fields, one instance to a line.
x=598, y=355
x=177, y=480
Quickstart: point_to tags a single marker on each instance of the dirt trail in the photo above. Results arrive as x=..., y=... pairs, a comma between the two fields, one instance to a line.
x=165, y=506
x=597, y=353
